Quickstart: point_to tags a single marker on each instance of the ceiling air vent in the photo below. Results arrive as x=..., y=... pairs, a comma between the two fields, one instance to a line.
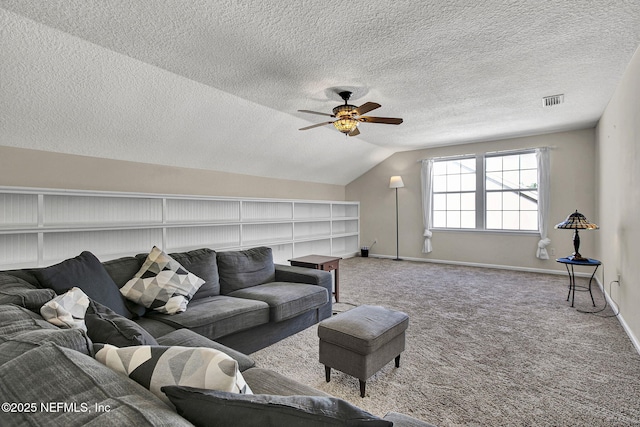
x=550, y=101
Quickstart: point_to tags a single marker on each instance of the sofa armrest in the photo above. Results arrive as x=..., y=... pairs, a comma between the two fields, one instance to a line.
x=188, y=338
x=287, y=273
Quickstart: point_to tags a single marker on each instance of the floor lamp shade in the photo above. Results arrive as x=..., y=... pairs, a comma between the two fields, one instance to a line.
x=396, y=182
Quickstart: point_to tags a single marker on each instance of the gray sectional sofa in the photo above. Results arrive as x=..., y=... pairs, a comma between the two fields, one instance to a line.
x=49, y=375
x=247, y=302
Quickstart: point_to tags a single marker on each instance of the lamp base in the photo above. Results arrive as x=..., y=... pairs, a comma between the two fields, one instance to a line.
x=577, y=257
x=397, y=259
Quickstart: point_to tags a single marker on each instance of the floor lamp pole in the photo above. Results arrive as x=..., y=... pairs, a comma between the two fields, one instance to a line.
x=397, y=231
x=396, y=182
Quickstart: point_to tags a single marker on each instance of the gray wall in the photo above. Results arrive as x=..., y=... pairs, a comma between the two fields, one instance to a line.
x=40, y=169
x=618, y=163
x=573, y=187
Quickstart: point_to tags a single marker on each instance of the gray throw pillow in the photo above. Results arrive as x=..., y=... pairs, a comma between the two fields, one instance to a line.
x=200, y=406
x=108, y=327
x=87, y=273
x=244, y=269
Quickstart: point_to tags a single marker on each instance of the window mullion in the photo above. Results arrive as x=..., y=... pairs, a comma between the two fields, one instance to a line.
x=480, y=192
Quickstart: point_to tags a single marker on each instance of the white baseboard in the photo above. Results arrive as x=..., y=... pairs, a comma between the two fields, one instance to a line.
x=623, y=323
x=482, y=265
x=625, y=326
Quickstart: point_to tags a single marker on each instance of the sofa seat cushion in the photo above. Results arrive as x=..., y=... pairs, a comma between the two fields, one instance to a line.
x=74, y=339
x=15, y=320
x=66, y=376
x=243, y=269
x=286, y=300
x=218, y=316
x=22, y=330
x=266, y=381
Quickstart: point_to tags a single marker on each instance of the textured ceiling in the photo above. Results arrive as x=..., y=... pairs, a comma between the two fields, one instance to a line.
x=217, y=84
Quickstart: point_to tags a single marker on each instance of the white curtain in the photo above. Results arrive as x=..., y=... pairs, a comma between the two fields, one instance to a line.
x=542, y=155
x=426, y=176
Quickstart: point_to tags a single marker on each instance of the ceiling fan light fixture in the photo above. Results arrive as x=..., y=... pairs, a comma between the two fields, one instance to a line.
x=345, y=125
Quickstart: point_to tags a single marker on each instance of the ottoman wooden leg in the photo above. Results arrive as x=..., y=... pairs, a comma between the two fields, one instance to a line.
x=397, y=361
x=327, y=373
x=363, y=384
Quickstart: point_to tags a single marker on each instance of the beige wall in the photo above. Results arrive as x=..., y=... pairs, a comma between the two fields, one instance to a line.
x=618, y=149
x=31, y=168
x=573, y=187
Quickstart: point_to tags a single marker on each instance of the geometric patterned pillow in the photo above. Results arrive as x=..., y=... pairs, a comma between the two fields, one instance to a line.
x=67, y=310
x=162, y=284
x=157, y=366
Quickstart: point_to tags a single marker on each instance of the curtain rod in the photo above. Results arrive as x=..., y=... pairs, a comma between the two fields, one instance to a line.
x=459, y=156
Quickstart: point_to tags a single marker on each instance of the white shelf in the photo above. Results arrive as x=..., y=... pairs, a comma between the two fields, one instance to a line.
x=39, y=227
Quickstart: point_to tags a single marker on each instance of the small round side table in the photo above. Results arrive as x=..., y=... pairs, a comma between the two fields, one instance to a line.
x=588, y=262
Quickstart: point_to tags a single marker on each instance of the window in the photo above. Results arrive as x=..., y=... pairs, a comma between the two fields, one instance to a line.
x=454, y=193
x=486, y=192
x=511, y=185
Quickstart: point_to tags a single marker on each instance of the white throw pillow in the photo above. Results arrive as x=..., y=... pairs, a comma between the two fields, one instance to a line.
x=157, y=366
x=67, y=310
x=162, y=284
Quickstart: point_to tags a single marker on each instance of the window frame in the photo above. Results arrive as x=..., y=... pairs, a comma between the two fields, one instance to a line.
x=481, y=193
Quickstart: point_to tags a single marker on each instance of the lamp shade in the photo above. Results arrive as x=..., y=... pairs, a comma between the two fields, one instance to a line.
x=577, y=221
x=396, y=182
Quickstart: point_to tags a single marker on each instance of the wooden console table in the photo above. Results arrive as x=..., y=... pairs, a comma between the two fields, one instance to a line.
x=320, y=262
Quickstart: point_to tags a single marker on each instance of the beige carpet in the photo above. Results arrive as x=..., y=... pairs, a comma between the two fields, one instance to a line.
x=485, y=347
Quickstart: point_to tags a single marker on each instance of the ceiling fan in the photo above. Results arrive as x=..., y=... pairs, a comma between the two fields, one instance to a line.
x=349, y=116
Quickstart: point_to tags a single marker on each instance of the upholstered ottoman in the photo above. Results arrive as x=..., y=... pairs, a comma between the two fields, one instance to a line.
x=361, y=341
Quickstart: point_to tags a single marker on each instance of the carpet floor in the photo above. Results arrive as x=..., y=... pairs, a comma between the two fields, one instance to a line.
x=485, y=347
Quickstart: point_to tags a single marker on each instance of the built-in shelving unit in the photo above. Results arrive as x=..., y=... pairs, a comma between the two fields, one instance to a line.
x=40, y=227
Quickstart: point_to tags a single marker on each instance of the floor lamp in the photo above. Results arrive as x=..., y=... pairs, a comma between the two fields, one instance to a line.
x=396, y=182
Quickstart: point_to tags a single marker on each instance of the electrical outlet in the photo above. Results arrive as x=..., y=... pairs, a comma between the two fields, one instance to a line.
x=553, y=251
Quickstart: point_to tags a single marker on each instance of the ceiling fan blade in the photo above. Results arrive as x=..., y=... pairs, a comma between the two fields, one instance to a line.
x=316, y=125
x=354, y=132
x=366, y=107
x=385, y=120
x=315, y=112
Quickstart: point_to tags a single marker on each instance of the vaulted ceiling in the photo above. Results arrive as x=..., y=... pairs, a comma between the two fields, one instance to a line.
x=217, y=84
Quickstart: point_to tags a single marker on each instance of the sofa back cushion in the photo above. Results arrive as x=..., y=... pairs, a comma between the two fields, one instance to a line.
x=121, y=271
x=244, y=269
x=87, y=273
x=106, y=326
x=14, y=290
x=202, y=263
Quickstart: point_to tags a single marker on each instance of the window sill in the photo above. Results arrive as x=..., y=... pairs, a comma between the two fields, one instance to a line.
x=477, y=230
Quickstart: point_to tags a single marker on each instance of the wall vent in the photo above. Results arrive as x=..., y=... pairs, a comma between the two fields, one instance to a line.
x=550, y=101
